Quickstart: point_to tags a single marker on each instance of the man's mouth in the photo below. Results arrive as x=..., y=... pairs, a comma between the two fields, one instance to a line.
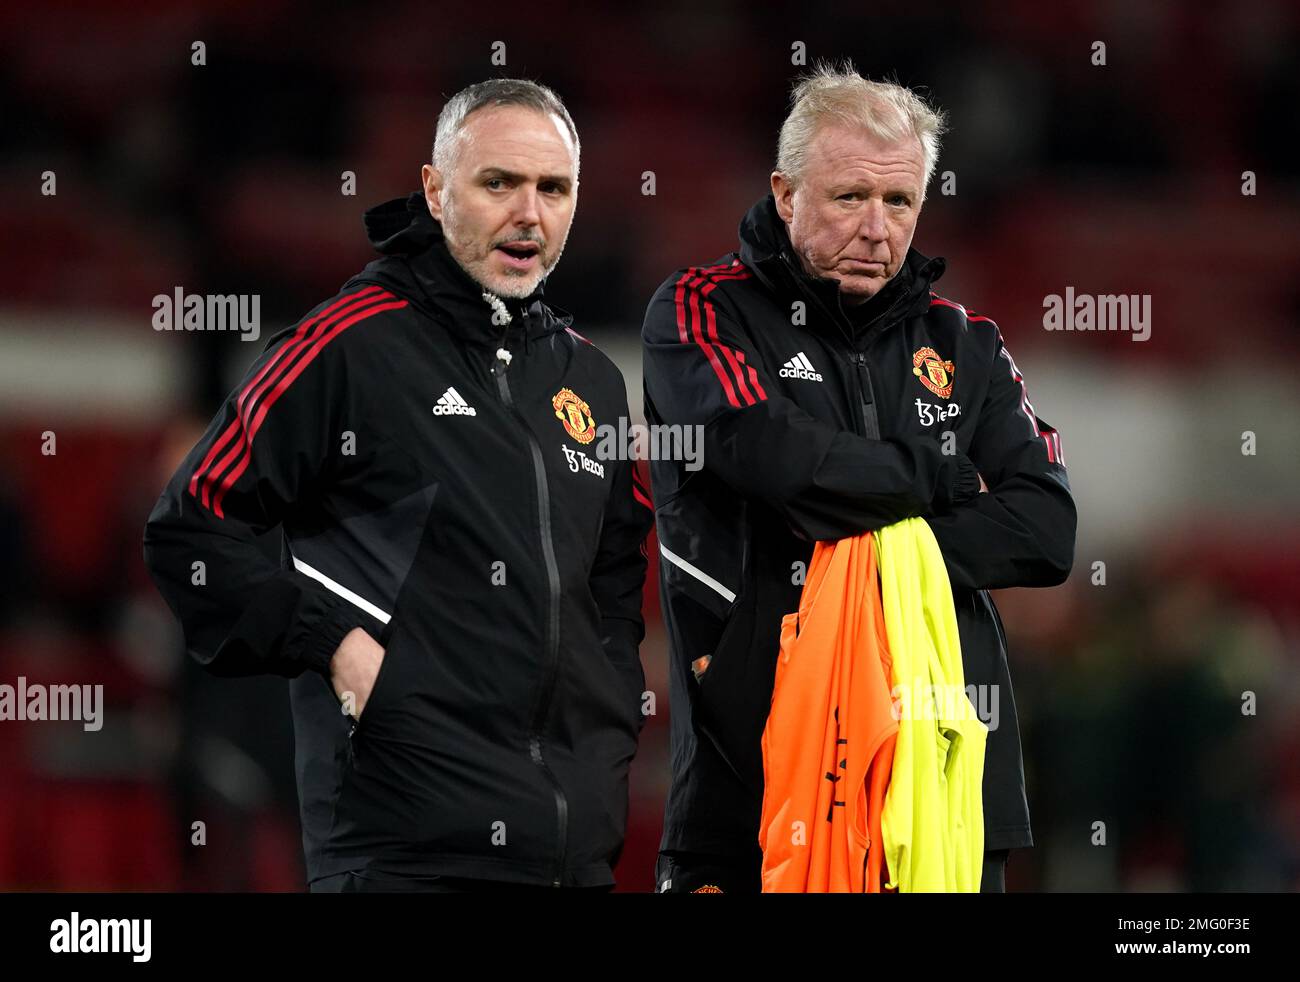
x=866, y=265
x=519, y=255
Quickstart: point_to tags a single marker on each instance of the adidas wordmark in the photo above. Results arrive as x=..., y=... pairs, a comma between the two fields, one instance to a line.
x=451, y=403
x=800, y=367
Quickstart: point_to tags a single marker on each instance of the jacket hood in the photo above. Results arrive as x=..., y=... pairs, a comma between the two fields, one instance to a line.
x=416, y=264
x=765, y=248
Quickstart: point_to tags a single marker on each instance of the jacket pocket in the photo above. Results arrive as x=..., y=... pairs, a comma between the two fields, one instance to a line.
x=703, y=667
x=394, y=633
x=735, y=693
x=375, y=702
x=375, y=689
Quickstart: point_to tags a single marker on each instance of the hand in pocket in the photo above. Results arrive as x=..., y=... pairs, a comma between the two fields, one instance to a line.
x=353, y=670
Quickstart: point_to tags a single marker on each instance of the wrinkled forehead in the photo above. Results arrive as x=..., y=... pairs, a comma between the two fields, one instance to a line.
x=840, y=151
x=517, y=140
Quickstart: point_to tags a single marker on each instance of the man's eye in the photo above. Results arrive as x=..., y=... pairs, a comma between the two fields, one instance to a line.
x=496, y=183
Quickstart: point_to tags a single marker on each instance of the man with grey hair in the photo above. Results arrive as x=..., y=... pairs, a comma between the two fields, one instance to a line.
x=838, y=394
x=459, y=603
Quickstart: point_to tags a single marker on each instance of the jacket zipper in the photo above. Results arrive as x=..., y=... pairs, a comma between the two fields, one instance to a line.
x=866, y=397
x=866, y=391
x=552, y=627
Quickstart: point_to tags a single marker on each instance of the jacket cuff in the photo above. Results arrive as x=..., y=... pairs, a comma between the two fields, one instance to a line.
x=329, y=631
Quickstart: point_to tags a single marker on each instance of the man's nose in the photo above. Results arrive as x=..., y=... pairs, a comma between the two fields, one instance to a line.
x=527, y=213
x=873, y=227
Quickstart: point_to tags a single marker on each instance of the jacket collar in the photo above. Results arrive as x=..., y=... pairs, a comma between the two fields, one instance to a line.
x=418, y=264
x=765, y=248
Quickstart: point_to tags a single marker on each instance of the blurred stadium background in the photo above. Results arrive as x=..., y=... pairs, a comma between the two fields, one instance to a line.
x=1122, y=178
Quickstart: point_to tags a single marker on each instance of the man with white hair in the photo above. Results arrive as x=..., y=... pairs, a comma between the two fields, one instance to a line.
x=459, y=604
x=839, y=393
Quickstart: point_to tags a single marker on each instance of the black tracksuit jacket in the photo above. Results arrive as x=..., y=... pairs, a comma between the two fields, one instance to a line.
x=437, y=498
x=819, y=426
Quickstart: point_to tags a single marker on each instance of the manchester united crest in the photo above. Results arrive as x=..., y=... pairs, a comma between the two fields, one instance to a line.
x=575, y=415
x=935, y=373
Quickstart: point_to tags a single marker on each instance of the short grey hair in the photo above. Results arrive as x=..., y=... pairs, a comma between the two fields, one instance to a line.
x=830, y=94
x=495, y=92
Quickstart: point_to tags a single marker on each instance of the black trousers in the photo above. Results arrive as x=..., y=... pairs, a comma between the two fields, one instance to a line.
x=375, y=881
x=700, y=873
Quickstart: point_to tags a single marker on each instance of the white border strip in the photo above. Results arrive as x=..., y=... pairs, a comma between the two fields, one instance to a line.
x=341, y=590
x=700, y=575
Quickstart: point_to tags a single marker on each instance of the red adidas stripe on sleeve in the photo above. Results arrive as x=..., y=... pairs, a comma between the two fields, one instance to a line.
x=696, y=321
x=214, y=477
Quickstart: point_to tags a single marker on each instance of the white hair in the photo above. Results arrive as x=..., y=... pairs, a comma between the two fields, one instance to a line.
x=840, y=95
x=495, y=92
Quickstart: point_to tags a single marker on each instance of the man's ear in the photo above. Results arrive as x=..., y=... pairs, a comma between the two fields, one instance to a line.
x=431, y=178
x=783, y=192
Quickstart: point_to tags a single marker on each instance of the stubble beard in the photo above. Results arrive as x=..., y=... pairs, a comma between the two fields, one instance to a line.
x=511, y=285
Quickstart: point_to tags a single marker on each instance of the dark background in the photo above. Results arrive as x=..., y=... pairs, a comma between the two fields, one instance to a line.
x=225, y=178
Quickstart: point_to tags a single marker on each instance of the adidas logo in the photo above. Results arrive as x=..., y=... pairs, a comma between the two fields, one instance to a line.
x=452, y=404
x=800, y=367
